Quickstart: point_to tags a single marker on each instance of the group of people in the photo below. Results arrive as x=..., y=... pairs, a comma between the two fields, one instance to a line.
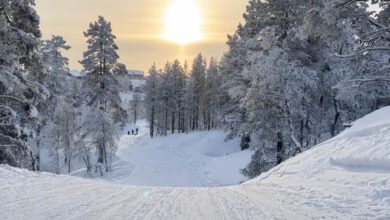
x=133, y=132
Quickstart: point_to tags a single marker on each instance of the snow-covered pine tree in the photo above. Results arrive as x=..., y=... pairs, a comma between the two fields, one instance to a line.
x=178, y=96
x=135, y=105
x=280, y=72
x=198, y=80
x=212, y=95
x=366, y=88
x=100, y=63
x=166, y=97
x=20, y=93
x=59, y=121
x=56, y=70
x=151, y=97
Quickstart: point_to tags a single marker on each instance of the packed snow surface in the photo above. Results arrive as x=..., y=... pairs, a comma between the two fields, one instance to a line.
x=196, y=159
x=347, y=177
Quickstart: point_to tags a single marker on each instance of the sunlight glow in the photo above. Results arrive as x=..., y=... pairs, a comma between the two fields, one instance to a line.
x=183, y=23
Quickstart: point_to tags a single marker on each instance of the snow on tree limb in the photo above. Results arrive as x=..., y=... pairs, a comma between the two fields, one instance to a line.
x=360, y=52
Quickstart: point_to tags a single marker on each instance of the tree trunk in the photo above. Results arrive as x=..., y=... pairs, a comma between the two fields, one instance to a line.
x=279, y=149
x=135, y=114
x=179, y=121
x=173, y=122
x=335, y=120
x=166, y=121
x=152, y=122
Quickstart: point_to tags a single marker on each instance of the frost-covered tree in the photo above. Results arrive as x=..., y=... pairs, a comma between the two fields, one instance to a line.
x=56, y=70
x=20, y=93
x=176, y=101
x=178, y=92
x=198, y=83
x=151, y=97
x=101, y=93
x=366, y=88
x=282, y=73
x=101, y=57
x=135, y=105
x=103, y=136
x=212, y=95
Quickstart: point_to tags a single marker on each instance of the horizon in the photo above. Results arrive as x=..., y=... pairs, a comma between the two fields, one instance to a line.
x=139, y=28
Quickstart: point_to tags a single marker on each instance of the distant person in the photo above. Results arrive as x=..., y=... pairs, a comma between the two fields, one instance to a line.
x=132, y=132
x=136, y=131
x=128, y=133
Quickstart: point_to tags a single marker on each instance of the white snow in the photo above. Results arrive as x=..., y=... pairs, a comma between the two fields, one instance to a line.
x=178, y=160
x=77, y=73
x=138, y=83
x=347, y=177
x=136, y=72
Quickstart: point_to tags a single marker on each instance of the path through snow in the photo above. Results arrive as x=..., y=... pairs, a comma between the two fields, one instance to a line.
x=198, y=159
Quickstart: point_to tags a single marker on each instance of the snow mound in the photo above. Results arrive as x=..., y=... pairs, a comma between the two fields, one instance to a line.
x=367, y=144
x=365, y=147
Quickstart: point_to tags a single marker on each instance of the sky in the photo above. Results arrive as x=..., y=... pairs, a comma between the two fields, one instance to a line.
x=139, y=26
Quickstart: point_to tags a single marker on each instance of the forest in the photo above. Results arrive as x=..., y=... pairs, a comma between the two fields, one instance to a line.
x=295, y=74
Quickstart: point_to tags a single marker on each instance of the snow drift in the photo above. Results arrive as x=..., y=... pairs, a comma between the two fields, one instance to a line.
x=347, y=177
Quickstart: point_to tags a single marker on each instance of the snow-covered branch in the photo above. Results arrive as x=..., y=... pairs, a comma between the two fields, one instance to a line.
x=375, y=79
x=359, y=52
x=12, y=98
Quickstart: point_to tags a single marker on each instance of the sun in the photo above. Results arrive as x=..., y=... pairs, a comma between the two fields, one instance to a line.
x=183, y=23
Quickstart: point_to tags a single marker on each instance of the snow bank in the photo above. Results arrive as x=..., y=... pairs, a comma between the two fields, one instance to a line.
x=367, y=144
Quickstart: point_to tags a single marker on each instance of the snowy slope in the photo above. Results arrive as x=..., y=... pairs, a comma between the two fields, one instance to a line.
x=192, y=160
x=347, y=177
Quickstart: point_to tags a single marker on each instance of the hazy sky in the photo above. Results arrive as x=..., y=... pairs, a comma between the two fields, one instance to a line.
x=138, y=25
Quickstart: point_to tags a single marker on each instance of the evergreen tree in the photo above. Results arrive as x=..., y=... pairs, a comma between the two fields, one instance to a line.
x=151, y=97
x=198, y=79
x=20, y=68
x=100, y=63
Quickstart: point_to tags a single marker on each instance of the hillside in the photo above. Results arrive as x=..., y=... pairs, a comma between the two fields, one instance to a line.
x=347, y=177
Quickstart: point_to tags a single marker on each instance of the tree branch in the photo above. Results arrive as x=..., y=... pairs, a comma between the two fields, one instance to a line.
x=12, y=98
x=380, y=78
x=359, y=52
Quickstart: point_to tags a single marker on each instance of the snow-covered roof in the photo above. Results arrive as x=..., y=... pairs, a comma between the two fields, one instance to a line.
x=77, y=73
x=135, y=72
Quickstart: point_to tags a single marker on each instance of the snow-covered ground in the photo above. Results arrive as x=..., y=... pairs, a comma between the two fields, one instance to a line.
x=347, y=177
x=197, y=159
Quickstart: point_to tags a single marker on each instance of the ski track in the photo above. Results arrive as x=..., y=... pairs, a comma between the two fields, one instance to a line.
x=47, y=197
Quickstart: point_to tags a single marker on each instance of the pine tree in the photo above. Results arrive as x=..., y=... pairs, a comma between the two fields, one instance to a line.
x=151, y=97
x=212, y=94
x=20, y=67
x=100, y=63
x=280, y=73
x=198, y=79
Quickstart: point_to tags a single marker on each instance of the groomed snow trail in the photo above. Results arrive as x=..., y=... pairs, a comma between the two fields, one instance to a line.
x=347, y=177
x=199, y=159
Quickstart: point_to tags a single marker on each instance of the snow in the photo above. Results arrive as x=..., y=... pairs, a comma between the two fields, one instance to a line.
x=178, y=160
x=135, y=72
x=126, y=97
x=138, y=83
x=77, y=73
x=347, y=177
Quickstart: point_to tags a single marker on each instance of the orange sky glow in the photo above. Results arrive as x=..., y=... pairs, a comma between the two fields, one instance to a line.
x=139, y=27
